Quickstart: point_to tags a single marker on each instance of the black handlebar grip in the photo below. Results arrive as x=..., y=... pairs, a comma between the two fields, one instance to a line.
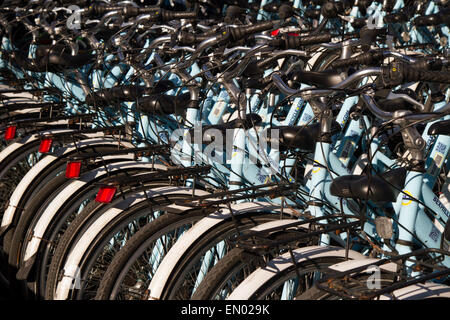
x=442, y=17
x=130, y=11
x=359, y=23
x=242, y=32
x=294, y=42
x=396, y=17
x=187, y=39
x=285, y=11
x=367, y=58
x=420, y=65
x=414, y=74
x=369, y=35
x=172, y=15
x=308, y=40
x=430, y=20
x=271, y=7
x=398, y=73
x=428, y=64
x=312, y=13
x=98, y=10
x=259, y=27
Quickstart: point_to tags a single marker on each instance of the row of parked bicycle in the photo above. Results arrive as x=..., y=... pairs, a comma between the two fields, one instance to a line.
x=227, y=149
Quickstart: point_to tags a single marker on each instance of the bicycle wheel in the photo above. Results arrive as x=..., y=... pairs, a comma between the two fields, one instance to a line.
x=55, y=234
x=73, y=231
x=17, y=160
x=39, y=238
x=107, y=234
x=14, y=167
x=357, y=285
x=287, y=278
x=128, y=276
x=225, y=276
x=184, y=270
x=48, y=189
x=237, y=264
x=34, y=180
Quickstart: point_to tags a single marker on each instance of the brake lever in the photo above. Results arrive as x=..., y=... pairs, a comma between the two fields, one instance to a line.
x=238, y=70
x=158, y=26
x=109, y=15
x=403, y=96
x=127, y=2
x=73, y=48
x=349, y=19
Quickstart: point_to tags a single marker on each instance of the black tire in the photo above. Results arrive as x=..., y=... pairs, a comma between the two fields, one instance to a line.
x=118, y=272
x=179, y=285
x=39, y=182
x=237, y=264
x=51, y=186
x=57, y=228
x=14, y=167
x=309, y=271
x=314, y=293
x=222, y=274
x=66, y=240
x=96, y=259
x=27, y=216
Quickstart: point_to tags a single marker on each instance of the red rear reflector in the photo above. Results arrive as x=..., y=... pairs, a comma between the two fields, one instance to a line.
x=275, y=32
x=105, y=194
x=73, y=169
x=293, y=34
x=45, y=145
x=10, y=133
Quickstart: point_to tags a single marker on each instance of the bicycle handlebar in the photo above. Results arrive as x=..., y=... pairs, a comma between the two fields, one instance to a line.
x=357, y=76
x=366, y=58
x=239, y=33
x=396, y=17
x=377, y=56
x=398, y=73
x=416, y=117
x=395, y=74
x=443, y=17
x=156, y=13
x=294, y=42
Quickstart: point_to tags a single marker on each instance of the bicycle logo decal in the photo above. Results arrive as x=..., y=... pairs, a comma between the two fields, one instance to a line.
x=406, y=198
